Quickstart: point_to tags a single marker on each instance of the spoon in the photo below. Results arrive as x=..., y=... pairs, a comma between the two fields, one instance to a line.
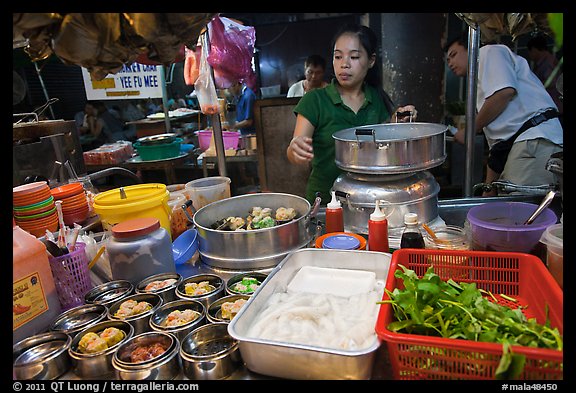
x=543, y=205
x=433, y=234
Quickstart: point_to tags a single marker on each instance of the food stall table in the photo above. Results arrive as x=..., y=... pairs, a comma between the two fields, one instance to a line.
x=168, y=165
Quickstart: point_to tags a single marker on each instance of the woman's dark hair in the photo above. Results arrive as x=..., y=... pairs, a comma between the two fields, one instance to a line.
x=369, y=41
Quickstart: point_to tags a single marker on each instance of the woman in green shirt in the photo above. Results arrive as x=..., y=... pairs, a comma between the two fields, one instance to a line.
x=355, y=98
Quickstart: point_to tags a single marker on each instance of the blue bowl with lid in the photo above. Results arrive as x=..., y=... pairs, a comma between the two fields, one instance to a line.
x=341, y=242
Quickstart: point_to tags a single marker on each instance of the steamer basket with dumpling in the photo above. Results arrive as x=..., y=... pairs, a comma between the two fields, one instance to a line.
x=252, y=249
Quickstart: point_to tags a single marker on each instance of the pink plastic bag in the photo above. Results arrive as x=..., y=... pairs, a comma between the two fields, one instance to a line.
x=231, y=51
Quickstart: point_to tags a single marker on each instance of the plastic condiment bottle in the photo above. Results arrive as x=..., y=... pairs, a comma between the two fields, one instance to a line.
x=411, y=236
x=35, y=303
x=139, y=248
x=378, y=230
x=334, y=215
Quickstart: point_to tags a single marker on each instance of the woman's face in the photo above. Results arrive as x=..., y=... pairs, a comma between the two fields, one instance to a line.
x=351, y=61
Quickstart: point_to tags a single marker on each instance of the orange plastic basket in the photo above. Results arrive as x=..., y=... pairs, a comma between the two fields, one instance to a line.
x=518, y=275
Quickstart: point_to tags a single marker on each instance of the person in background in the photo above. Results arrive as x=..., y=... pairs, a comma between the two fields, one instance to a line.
x=543, y=64
x=314, y=69
x=354, y=98
x=104, y=126
x=80, y=120
x=245, y=98
x=516, y=114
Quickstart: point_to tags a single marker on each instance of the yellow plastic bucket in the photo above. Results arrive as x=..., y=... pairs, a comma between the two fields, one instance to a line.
x=141, y=200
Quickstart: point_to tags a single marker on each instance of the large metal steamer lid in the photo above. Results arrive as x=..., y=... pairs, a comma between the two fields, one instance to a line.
x=390, y=148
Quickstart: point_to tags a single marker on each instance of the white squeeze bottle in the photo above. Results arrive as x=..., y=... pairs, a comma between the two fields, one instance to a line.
x=35, y=302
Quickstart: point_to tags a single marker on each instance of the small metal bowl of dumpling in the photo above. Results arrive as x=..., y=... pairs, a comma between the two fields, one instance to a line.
x=92, y=349
x=202, y=287
x=148, y=356
x=78, y=318
x=226, y=308
x=163, y=284
x=244, y=283
x=136, y=310
x=179, y=317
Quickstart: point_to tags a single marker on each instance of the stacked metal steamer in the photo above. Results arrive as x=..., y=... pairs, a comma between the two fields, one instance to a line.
x=389, y=162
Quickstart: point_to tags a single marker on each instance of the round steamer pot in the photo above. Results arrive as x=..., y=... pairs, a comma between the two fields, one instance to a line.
x=253, y=249
x=391, y=148
x=402, y=193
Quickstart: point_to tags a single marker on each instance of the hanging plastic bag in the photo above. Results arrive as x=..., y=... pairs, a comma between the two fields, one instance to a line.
x=191, y=65
x=205, y=90
x=231, y=51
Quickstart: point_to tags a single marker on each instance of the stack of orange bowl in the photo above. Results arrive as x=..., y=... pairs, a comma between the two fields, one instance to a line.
x=33, y=208
x=74, y=203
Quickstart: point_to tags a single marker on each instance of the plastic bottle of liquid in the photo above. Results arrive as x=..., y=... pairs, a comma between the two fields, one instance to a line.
x=411, y=236
x=378, y=230
x=35, y=303
x=334, y=215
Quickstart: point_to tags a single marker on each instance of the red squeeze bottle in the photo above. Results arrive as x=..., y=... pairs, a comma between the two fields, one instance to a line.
x=378, y=231
x=334, y=216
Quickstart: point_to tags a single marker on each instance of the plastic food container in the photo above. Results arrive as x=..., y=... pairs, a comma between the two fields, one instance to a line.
x=230, y=138
x=553, y=237
x=158, y=151
x=139, y=248
x=141, y=200
x=208, y=189
x=499, y=226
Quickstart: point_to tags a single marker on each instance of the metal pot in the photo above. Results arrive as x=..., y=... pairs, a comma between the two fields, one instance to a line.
x=43, y=356
x=252, y=249
x=399, y=194
x=92, y=365
x=391, y=148
x=140, y=322
x=162, y=367
x=209, y=352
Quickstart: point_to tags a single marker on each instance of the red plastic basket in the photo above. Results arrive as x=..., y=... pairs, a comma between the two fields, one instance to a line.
x=518, y=275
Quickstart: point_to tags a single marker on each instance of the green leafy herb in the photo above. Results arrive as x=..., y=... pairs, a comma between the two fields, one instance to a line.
x=433, y=307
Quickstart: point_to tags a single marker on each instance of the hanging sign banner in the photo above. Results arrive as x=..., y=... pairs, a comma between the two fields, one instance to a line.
x=135, y=81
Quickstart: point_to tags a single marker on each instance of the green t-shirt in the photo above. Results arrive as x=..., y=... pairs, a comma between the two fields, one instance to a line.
x=328, y=114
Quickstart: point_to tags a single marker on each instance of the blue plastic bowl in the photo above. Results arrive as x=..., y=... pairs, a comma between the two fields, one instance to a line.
x=185, y=246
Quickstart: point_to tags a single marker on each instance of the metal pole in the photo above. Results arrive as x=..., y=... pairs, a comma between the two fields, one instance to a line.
x=215, y=118
x=165, y=98
x=470, y=135
x=44, y=89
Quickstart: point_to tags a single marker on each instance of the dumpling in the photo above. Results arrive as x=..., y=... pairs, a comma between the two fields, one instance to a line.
x=112, y=335
x=91, y=343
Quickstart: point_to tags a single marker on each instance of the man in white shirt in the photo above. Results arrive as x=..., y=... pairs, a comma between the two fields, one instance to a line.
x=511, y=103
x=314, y=69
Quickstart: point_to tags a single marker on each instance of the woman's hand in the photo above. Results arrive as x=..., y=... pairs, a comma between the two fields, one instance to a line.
x=405, y=114
x=300, y=150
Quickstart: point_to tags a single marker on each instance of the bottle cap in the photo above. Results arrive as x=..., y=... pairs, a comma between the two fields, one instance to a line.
x=377, y=214
x=410, y=218
x=334, y=203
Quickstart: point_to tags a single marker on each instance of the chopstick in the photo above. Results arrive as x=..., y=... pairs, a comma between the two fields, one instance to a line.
x=96, y=257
